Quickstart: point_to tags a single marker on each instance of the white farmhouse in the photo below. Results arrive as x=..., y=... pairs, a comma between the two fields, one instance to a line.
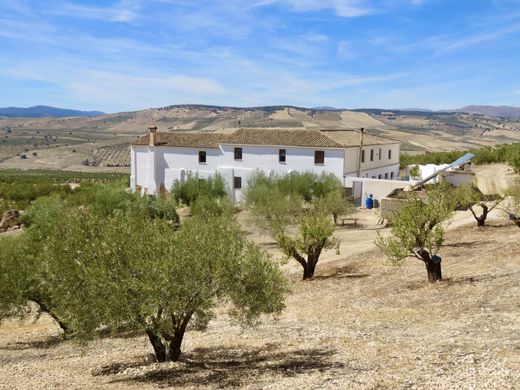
x=159, y=159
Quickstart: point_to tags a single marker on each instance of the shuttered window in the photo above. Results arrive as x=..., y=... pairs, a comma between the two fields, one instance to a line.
x=319, y=157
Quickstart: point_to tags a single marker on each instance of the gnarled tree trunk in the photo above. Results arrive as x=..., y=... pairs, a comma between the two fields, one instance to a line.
x=159, y=348
x=481, y=220
x=432, y=263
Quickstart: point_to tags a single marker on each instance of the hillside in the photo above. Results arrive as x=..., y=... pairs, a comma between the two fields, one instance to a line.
x=43, y=111
x=102, y=141
x=361, y=323
x=498, y=111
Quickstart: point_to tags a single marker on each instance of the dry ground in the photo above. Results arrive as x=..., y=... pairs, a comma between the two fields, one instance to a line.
x=361, y=323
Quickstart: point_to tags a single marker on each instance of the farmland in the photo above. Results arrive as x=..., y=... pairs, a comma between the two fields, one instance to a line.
x=68, y=143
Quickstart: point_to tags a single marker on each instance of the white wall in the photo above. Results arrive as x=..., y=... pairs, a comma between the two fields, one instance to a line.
x=175, y=163
x=380, y=160
x=378, y=188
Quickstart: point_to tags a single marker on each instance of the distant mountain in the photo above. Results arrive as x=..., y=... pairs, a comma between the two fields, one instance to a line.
x=43, y=111
x=500, y=111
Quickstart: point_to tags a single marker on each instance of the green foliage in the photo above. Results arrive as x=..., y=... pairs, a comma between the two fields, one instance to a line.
x=19, y=188
x=194, y=187
x=16, y=274
x=104, y=257
x=506, y=153
x=297, y=209
x=207, y=208
x=415, y=171
x=418, y=225
x=126, y=270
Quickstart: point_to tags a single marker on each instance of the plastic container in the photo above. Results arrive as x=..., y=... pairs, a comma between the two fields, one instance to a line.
x=369, y=202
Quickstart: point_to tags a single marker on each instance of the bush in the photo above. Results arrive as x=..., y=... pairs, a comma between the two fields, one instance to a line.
x=194, y=187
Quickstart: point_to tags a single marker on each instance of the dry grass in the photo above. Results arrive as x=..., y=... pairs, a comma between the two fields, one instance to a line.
x=361, y=323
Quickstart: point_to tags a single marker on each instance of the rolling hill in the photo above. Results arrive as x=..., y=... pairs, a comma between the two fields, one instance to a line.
x=44, y=111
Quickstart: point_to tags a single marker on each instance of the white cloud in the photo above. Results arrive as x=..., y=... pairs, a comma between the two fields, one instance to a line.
x=343, y=8
x=124, y=11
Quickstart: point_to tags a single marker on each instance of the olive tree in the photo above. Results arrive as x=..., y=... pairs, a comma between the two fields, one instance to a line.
x=471, y=197
x=417, y=229
x=140, y=273
x=22, y=260
x=296, y=208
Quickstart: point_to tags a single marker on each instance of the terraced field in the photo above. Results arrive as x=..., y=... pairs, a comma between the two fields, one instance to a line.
x=112, y=156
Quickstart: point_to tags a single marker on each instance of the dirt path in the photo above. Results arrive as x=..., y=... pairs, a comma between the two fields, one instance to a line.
x=494, y=178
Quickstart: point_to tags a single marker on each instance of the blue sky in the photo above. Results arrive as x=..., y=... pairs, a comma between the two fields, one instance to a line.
x=134, y=54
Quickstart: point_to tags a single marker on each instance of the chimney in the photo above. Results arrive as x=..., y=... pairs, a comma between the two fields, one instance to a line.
x=153, y=135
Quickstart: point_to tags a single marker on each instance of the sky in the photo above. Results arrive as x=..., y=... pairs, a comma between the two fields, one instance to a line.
x=128, y=55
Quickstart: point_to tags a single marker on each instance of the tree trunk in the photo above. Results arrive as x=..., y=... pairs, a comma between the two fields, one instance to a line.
x=433, y=264
x=174, y=351
x=46, y=309
x=158, y=346
x=308, y=270
x=312, y=259
x=434, y=271
x=481, y=220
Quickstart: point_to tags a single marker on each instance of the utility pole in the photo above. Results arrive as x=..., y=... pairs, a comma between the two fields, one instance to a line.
x=360, y=151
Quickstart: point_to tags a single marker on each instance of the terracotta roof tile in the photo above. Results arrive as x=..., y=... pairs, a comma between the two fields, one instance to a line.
x=349, y=138
x=267, y=137
x=186, y=139
x=282, y=137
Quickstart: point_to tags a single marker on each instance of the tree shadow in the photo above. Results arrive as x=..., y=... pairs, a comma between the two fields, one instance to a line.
x=467, y=244
x=461, y=280
x=45, y=343
x=228, y=367
x=345, y=272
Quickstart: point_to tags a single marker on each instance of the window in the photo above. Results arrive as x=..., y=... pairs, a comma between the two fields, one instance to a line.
x=391, y=175
x=371, y=154
x=380, y=176
x=380, y=154
x=238, y=153
x=281, y=155
x=389, y=154
x=386, y=175
x=237, y=182
x=319, y=157
x=362, y=156
x=202, y=156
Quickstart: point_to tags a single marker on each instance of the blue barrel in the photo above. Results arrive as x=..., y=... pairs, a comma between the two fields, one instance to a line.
x=369, y=202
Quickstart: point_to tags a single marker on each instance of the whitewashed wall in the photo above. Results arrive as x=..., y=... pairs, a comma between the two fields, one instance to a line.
x=379, y=164
x=175, y=163
x=152, y=167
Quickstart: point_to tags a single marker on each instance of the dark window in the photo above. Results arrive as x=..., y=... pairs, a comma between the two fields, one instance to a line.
x=371, y=154
x=386, y=175
x=202, y=156
x=380, y=154
x=281, y=155
x=379, y=176
x=238, y=153
x=391, y=175
x=362, y=156
x=389, y=154
x=237, y=182
x=319, y=157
